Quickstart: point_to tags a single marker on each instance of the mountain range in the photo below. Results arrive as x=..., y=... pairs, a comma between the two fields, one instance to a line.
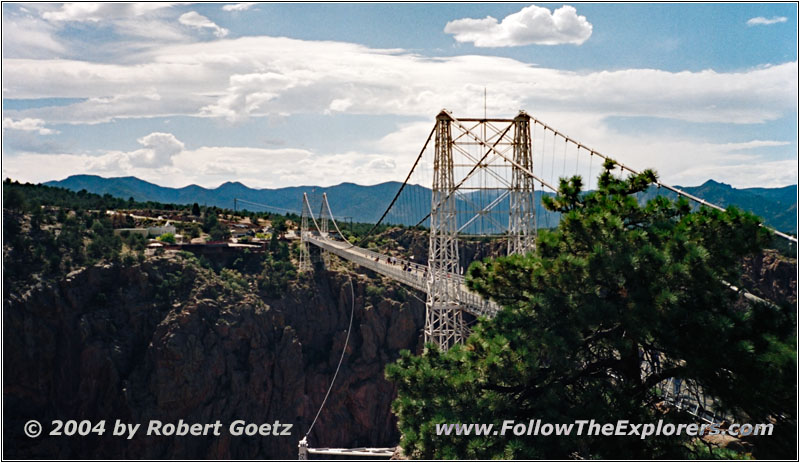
x=366, y=203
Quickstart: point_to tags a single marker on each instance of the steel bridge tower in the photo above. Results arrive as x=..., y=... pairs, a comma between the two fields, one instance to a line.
x=324, y=216
x=305, y=256
x=444, y=325
x=522, y=210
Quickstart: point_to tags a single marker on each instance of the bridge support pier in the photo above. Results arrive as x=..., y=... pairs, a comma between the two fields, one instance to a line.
x=444, y=325
x=522, y=210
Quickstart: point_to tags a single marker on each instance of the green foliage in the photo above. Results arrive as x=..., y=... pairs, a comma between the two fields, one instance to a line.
x=13, y=200
x=615, y=284
x=210, y=221
x=277, y=272
x=167, y=238
x=233, y=280
x=135, y=241
x=103, y=241
x=175, y=285
x=216, y=230
x=700, y=450
x=279, y=225
x=374, y=292
x=50, y=231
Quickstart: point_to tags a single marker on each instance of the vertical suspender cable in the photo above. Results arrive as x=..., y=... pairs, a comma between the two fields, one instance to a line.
x=400, y=190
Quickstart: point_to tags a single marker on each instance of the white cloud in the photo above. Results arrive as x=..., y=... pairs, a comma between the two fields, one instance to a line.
x=164, y=159
x=531, y=25
x=679, y=160
x=159, y=150
x=95, y=12
x=46, y=30
x=237, y=6
x=209, y=166
x=752, y=144
x=28, y=125
x=158, y=30
x=196, y=20
x=248, y=93
x=276, y=77
x=29, y=37
x=339, y=105
x=762, y=21
x=258, y=76
x=745, y=174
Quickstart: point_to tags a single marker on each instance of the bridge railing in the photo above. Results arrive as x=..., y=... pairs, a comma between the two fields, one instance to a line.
x=404, y=271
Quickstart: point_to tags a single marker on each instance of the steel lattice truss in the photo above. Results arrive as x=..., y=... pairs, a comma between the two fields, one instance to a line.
x=494, y=155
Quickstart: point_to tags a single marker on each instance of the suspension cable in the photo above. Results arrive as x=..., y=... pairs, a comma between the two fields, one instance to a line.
x=678, y=191
x=311, y=213
x=341, y=358
x=422, y=151
x=293, y=211
x=469, y=174
x=335, y=225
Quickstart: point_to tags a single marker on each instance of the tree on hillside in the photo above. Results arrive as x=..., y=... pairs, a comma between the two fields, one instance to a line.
x=219, y=232
x=279, y=226
x=13, y=199
x=210, y=221
x=615, y=287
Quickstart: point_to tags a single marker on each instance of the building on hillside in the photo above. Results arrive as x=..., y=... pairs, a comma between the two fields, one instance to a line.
x=158, y=231
x=150, y=231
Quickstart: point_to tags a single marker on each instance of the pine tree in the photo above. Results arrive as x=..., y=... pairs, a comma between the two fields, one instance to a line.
x=615, y=286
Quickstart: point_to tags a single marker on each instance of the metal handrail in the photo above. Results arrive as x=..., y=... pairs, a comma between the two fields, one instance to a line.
x=414, y=275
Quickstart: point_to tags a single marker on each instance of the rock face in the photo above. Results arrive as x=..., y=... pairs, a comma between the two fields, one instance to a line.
x=415, y=243
x=771, y=276
x=169, y=341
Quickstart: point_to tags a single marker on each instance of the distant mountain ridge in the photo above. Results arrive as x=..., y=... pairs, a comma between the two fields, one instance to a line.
x=365, y=203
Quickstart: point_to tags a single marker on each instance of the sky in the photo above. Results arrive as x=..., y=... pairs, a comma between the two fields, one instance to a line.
x=275, y=95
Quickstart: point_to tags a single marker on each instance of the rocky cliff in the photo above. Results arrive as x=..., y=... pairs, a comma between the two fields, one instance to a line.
x=771, y=276
x=168, y=340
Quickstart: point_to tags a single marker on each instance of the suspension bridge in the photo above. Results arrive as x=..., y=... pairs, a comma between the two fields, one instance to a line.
x=487, y=177
x=484, y=182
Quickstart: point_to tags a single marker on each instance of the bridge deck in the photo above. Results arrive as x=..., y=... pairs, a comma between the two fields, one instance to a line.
x=414, y=276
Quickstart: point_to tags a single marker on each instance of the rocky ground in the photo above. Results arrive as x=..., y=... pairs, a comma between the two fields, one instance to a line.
x=168, y=340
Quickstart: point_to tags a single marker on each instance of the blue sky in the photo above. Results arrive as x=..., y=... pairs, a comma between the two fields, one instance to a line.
x=284, y=94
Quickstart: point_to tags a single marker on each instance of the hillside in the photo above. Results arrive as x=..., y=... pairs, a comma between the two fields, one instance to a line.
x=778, y=206
x=95, y=328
